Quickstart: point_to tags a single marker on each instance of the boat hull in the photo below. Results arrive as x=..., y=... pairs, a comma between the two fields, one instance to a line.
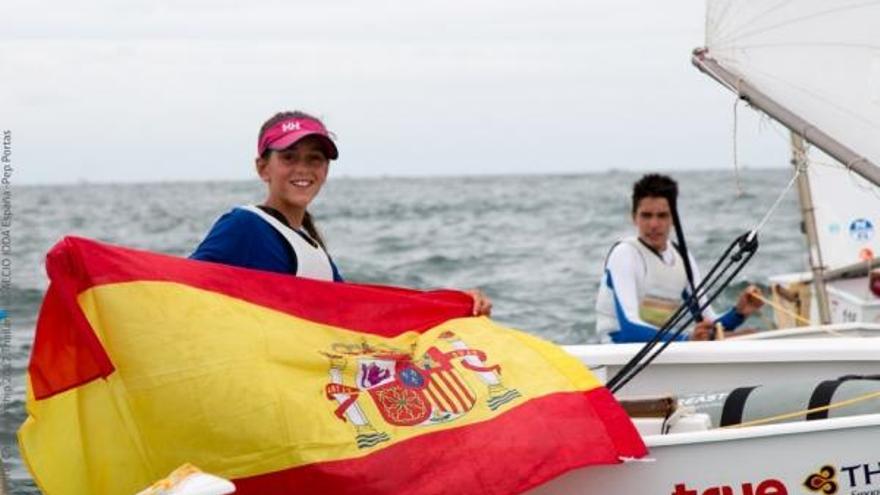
x=763, y=460
x=837, y=455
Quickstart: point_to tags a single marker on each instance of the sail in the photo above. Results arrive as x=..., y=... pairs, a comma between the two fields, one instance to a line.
x=847, y=212
x=819, y=59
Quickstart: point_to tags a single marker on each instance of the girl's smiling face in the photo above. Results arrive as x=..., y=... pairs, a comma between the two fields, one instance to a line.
x=294, y=175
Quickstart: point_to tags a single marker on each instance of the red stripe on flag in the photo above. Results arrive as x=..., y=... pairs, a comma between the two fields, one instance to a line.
x=68, y=354
x=514, y=452
x=380, y=310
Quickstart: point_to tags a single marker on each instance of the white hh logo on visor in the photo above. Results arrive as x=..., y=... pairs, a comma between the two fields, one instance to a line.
x=289, y=126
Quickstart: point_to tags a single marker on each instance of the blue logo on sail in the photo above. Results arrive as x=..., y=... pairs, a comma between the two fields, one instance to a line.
x=861, y=229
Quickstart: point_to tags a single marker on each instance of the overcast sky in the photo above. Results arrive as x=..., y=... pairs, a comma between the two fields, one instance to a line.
x=105, y=90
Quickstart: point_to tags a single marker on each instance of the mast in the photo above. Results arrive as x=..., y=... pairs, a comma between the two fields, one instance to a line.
x=849, y=158
x=799, y=160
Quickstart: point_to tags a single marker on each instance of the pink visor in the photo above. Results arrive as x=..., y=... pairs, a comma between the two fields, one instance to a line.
x=287, y=132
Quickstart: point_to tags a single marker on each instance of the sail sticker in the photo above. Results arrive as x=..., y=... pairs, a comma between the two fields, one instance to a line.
x=861, y=229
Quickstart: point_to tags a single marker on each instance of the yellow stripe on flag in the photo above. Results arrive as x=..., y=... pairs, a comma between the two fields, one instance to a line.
x=233, y=385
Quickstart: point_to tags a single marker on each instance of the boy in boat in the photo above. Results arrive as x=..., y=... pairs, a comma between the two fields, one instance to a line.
x=646, y=277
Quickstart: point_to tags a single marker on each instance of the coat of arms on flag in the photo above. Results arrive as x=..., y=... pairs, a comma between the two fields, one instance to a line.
x=432, y=388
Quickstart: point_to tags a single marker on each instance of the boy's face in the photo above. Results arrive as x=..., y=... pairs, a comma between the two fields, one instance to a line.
x=653, y=219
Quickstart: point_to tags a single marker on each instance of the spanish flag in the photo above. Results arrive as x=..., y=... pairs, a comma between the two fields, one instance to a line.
x=143, y=362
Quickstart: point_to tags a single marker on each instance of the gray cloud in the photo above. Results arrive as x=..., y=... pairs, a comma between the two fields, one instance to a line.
x=166, y=91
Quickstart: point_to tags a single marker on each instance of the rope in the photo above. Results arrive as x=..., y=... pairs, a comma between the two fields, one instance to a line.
x=776, y=203
x=739, y=188
x=780, y=308
x=799, y=318
x=780, y=417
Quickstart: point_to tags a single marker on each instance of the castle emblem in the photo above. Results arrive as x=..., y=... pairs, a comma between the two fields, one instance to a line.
x=410, y=391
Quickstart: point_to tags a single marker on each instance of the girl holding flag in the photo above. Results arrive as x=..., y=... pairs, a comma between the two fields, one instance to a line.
x=294, y=150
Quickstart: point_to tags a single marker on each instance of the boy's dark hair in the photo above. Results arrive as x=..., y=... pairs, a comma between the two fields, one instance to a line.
x=654, y=186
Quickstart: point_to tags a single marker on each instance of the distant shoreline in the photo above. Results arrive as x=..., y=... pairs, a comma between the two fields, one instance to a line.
x=346, y=177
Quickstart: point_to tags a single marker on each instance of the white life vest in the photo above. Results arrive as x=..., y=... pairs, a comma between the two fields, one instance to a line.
x=311, y=260
x=659, y=296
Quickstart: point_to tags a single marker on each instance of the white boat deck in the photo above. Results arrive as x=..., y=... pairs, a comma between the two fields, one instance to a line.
x=818, y=331
x=691, y=367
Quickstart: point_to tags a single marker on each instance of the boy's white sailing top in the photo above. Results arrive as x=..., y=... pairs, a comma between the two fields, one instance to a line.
x=640, y=289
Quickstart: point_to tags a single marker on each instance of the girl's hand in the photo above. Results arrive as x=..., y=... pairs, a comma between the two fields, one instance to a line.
x=482, y=303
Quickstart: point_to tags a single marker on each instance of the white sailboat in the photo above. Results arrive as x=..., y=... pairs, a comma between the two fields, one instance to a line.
x=814, y=67
x=841, y=211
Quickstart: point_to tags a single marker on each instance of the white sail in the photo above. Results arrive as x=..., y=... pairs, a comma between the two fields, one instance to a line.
x=820, y=59
x=847, y=212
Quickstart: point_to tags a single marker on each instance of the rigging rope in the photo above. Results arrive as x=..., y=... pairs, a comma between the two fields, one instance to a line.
x=781, y=309
x=739, y=188
x=780, y=417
